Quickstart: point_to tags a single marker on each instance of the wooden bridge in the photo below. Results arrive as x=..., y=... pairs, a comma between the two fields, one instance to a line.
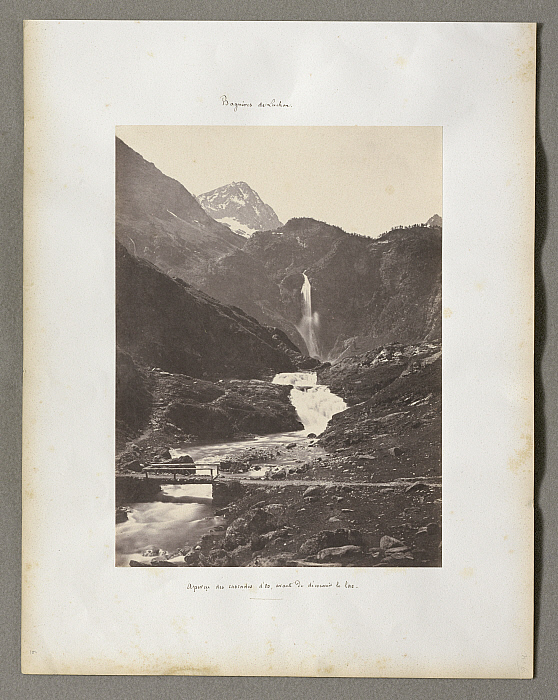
x=189, y=473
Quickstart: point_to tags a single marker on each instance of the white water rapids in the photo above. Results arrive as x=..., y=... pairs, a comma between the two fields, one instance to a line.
x=314, y=403
x=179, y=516
x=182, y=513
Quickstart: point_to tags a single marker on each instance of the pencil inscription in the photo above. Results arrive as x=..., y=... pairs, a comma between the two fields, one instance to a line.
x=263, y=103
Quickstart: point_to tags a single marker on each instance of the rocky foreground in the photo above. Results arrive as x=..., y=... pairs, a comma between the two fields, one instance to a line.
x=367, y=492
x=335, y=525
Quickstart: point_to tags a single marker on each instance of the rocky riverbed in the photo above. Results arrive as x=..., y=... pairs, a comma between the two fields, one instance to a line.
x=186, y=410
x=366, y=492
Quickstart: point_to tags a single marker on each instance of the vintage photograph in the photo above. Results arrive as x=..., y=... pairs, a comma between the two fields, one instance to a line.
x=279, y=346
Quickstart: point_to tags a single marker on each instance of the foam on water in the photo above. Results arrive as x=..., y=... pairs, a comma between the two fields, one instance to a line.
x=315, y=404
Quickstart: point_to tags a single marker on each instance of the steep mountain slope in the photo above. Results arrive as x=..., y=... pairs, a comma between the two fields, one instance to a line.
x=166, y=323
x=159, y=220
x=238, y=206
x=366, y=292
x=169, y=336
x=391, y=291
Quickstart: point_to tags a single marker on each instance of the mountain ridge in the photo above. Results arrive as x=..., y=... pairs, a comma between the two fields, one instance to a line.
x=167, y=323
x=157, y=219
x=367, y=292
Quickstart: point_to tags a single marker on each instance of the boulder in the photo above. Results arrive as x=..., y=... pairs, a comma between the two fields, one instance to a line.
x=417, y=486
x=264, y=539
x=192, y=558
x=283, y=559
x=133, y=465
x=216, y=557
x=312, y=491
x=182, y=459
x=387, y=542
x=161, y=454
x=331, y=538
x=338, y=552
x=234, y=466
x=396, y=558
x=157, y=560
x=275, y=509
x=255, y=522
x=242, y=556
x=257, y=543
x=162, y=562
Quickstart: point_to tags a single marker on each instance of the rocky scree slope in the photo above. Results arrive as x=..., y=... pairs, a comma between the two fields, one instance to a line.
x=392, y=427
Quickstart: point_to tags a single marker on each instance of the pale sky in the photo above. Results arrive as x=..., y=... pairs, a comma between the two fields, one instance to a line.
x=364, y=179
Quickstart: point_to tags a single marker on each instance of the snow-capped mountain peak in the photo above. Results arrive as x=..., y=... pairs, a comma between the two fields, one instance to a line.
x=240, y=208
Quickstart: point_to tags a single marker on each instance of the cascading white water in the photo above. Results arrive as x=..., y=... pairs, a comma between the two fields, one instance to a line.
x=179, y=516
x=314, y=403
x=310, y=322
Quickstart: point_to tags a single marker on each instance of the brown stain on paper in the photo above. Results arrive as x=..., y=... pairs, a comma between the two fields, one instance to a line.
x=526, y=74
x=523, y=454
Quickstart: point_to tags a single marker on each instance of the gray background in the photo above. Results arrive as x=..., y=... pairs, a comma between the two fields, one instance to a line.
x=12, y=683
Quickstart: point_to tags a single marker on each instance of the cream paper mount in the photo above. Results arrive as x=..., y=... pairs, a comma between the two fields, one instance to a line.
x=471, y=617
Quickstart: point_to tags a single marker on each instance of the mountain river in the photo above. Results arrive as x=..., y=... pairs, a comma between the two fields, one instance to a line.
x=182, y=513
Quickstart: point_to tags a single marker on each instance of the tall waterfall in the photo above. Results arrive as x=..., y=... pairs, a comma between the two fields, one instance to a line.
x=310, y=322
x=314, y=403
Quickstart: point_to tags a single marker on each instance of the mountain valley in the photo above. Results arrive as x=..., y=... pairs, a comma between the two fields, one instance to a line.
x=209, y=315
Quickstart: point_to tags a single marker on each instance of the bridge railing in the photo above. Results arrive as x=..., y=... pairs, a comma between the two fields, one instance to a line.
x=187, y=469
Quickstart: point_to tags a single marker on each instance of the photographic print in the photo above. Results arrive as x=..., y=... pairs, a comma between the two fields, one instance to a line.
x=249, y=378
x=279, y=356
